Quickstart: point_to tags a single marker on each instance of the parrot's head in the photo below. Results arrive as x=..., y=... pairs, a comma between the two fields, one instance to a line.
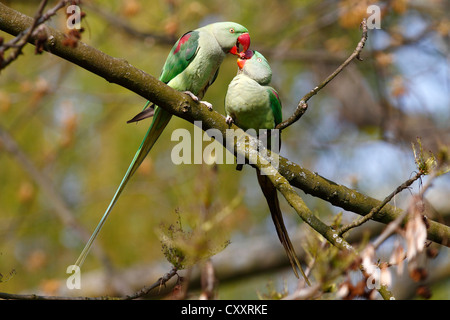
x=231, y=36
x=255, y=66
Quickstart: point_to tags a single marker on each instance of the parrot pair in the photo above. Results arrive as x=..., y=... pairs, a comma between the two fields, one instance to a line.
x=191, y=67
x=251, y=103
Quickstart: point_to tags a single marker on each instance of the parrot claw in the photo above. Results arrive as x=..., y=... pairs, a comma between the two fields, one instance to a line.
x=195, y=98
x=190, y=94
x=229, y=120
x=207, y=104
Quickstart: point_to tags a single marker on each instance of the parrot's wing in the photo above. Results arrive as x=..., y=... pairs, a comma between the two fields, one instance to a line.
x=181, y=55
x=275, y=103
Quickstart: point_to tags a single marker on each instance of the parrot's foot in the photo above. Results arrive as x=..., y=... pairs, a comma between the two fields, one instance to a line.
x=207, y=104
x=195, y=98
x=229, y=120
x=190, y=94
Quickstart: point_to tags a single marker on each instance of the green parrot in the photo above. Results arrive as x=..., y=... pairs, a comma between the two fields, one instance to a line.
x=251, y=103
x=191, y=67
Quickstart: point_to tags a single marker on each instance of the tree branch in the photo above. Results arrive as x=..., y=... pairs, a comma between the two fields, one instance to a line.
x=303, y=104
x=350, y=199
x=160, y=282
x=141, y=293
x=376, y=209
x=124, y=74
x=24, y=36
x=300, y=207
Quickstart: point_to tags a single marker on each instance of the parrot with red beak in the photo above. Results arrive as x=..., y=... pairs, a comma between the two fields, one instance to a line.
x=251, y=103
x=191, y=67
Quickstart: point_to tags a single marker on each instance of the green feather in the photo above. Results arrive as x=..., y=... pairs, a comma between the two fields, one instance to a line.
x=181, y=55
x=275, y=104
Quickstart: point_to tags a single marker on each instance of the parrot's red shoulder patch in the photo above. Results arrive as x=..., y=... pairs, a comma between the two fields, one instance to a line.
x=276, y=94
x=182, y=41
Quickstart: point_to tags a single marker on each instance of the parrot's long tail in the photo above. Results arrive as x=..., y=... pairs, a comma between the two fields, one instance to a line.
x=160, y=120
x=270, y=193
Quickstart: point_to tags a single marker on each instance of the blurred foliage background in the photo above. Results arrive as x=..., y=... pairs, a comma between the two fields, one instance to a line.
x=71, y=127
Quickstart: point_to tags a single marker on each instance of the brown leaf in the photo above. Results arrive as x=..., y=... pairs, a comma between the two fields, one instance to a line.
x=418, y=274
x=424, y=292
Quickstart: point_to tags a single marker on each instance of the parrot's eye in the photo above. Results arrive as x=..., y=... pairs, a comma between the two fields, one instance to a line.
x=259, y=59
x=231, y=30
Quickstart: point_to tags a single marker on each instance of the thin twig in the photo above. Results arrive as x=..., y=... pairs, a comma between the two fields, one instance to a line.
x=144, y=291
x=377, y=209
x=160, y=282
x=303, y=104
x=208, y=281
x=21, y=40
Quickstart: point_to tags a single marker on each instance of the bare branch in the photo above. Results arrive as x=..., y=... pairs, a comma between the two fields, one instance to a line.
x=208, y=281
x=377, y=209
x=303, y=104
x=160, y=282
x=141, y=293
x=19, y=42
x=282, y=184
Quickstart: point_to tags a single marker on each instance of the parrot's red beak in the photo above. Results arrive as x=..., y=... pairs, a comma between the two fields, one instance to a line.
x=244, y=40
x=243, y=56
x=241, y=63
